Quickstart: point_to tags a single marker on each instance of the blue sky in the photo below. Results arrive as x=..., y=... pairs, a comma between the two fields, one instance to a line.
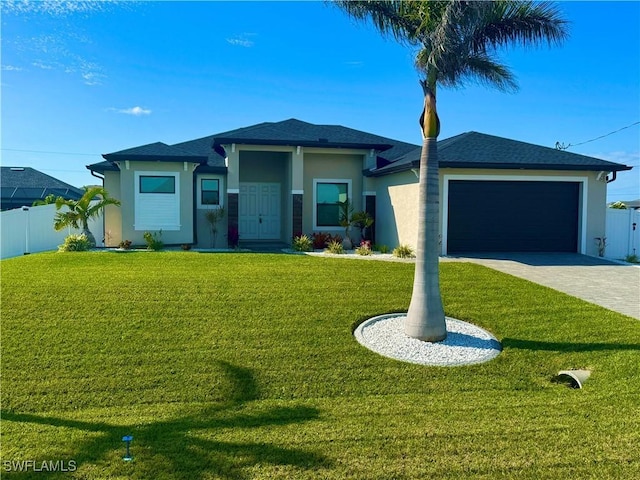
x=84, y=78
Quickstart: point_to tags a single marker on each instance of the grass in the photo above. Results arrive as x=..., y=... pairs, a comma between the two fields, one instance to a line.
x=240, y=366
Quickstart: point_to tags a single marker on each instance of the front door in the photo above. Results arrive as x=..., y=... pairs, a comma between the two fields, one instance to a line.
x=259, y=211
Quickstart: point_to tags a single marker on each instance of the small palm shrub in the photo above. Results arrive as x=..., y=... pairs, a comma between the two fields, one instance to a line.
x=154, y=240
x=76, y=243
x=403, y=251
x=302, y=243
x=335, y=247
x=381, y=248
x=125, y=244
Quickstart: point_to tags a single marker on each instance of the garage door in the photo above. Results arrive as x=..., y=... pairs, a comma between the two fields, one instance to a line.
x=512, y=216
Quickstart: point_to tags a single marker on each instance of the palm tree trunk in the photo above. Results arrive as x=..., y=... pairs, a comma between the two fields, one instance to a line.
x=425, y=318
x=87, y=232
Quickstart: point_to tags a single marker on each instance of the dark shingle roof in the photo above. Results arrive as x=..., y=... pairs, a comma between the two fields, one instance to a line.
x=292, y=132
x=479, y=150
x=297, y=133
x=23, y=185
x=159, y=151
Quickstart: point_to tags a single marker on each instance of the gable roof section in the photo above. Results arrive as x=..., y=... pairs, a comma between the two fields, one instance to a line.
x=479, y=150
x=210, y=153
x=294, y=132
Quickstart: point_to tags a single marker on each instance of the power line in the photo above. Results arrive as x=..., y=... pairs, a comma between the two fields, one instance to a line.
x=55, y=153
x=562, y=146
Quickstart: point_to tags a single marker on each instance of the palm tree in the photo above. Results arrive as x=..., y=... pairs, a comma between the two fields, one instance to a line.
x=82, y=210
x=456, y=41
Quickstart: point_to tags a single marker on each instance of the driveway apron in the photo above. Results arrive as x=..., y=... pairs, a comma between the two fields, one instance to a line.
x=611, y=285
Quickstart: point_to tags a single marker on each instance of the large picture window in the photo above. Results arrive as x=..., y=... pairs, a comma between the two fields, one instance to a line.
x=209, y=191
x=157, y=184
x=329, y=195
x=157, y=201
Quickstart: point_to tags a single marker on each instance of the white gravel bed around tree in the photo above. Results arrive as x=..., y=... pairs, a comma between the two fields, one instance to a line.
x=466, y=344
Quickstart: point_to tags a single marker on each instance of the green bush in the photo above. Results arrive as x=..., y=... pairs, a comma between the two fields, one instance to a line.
x=381, y=248
x=154, y=240
x=75, y=243
x=125, y=244
x=632, y=258
x=335, y=247
x=403, y=251
x=302, y=243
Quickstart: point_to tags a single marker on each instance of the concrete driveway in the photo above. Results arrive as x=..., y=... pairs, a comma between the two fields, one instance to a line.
x=611, y=285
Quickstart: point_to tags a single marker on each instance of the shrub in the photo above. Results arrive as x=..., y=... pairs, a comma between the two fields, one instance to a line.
x=75, y=243
x=154, y=240
x=364, y=248
x=633, y=258
x=403, y=251
x=125, y=244
x=320, y=239
x=335, y=247
x=186, y=246
x=302, y=243
x=381, y=248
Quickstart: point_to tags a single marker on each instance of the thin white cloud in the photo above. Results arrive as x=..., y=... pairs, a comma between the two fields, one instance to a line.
x=135, y=111
x=242, y=40
x=53, y=7
x=11, y=68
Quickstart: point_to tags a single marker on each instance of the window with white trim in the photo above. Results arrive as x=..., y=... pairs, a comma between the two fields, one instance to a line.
x=157, y=201
x=209, y=191
x=328, y=196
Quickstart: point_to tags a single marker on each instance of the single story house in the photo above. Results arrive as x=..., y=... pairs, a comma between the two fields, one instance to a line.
x=21, y=186
x=279, y=179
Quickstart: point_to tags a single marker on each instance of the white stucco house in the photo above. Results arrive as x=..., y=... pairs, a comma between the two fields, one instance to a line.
x=279, y=179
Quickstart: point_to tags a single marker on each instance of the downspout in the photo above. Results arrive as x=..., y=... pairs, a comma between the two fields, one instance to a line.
x=104, y=220
x=613, y=178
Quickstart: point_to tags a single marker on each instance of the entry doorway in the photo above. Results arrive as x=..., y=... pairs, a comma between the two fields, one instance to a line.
x=259, y=211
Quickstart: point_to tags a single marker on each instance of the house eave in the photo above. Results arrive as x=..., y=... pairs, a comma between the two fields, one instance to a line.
x=391, y=169
x=112, y=157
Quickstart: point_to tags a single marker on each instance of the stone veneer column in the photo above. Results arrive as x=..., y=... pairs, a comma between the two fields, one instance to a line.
x=232, y=209
x=297, y=213
x=370, y=208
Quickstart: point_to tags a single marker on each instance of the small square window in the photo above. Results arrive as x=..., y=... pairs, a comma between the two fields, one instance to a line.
x=210, y=192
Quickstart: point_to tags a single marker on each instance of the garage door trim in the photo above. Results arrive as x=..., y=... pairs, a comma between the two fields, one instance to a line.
x=583, y=181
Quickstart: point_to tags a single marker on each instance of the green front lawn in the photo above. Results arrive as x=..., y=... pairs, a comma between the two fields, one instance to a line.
x=240, y=366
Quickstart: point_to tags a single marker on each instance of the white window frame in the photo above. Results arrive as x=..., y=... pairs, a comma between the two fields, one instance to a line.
x=316, y=181
x=221, y=186
x=144, y=203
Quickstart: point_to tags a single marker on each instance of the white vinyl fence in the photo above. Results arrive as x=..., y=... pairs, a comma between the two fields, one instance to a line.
x=30, y=230
x=623, y=233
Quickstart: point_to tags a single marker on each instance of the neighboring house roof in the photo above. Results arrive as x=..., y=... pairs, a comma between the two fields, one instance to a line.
x=24, y=185
x=479, y=150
